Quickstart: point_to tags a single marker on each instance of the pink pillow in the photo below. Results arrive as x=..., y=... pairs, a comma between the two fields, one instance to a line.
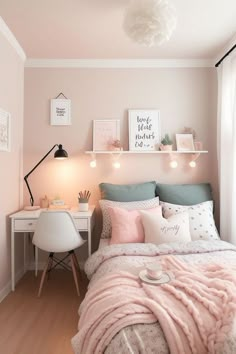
x=127, y=225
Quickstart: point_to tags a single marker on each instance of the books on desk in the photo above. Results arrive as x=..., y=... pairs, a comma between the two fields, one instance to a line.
x=58, y=207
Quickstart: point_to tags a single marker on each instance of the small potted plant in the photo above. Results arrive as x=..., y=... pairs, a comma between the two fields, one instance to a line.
x=116, y=145
x=166, y=143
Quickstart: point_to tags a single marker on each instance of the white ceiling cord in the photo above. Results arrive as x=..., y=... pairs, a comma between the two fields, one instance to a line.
x=150, y=22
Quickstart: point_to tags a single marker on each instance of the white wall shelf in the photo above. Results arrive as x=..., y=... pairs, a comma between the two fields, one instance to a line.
x=123, y=152
x=117, y=154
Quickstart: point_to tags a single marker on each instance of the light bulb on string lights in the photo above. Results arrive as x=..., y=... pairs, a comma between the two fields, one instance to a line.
x=116, y=160
x=116, y=164
x=93, y=163
x=193, y=160
x=173, y=164
x=192, y=164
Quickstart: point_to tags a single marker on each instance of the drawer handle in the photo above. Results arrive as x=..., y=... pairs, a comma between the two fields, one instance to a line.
x=30, y=223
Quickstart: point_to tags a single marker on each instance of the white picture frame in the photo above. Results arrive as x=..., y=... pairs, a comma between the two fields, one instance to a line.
x=144, y=129
x=5, y=131
x=60, y=111
x=184, y=142
x=105, y=132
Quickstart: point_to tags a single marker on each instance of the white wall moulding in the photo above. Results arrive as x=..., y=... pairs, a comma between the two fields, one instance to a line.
x=119, y=63
x=6, y=32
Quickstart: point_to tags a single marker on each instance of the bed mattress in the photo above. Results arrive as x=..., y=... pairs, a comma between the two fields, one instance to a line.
x=149, y=338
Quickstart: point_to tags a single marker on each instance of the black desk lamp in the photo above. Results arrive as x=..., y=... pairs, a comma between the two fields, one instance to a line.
x=59, y=154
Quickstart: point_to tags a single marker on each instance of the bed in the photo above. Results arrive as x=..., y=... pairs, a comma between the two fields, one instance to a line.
x=121, y=313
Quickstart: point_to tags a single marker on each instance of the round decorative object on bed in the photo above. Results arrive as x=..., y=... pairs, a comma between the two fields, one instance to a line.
x=154, y=270
x=166, y=277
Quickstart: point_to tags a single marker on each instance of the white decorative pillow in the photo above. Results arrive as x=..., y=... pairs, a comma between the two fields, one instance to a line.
x=137, y=205
x=160, y=230
x=201, y=220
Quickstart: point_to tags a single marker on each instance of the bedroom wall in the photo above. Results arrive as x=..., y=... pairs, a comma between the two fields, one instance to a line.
x=184, y=96
x=11, y=100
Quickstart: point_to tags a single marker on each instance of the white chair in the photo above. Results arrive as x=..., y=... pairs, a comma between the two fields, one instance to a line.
x=56, y=232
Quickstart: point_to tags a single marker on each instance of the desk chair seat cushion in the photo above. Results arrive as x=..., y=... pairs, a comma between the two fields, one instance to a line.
x=56, y=232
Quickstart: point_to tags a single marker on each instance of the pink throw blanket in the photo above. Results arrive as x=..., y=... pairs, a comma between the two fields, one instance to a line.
x=196, y=310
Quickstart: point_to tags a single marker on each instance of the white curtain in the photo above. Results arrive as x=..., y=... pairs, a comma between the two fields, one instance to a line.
x=226, y=129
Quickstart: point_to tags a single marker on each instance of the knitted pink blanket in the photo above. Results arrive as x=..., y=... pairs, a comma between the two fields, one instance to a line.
x=196, y=310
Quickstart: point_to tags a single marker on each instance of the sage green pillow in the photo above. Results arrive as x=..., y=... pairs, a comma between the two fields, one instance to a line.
x=184, y=194
x=128, y=192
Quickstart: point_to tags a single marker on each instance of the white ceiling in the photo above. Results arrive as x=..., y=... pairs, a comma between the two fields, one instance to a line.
x=92, y=29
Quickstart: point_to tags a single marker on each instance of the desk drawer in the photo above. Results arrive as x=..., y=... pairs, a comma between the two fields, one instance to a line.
x=25, y=225
x=81, y=224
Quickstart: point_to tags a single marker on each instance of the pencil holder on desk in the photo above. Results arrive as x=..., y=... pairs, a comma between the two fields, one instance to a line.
x=83, y=204
x=83, y=200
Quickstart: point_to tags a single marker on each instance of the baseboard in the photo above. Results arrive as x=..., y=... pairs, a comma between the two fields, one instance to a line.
x=31, y=266
x=7, y=289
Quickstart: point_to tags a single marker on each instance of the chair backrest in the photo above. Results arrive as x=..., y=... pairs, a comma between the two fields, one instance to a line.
x=56, y=232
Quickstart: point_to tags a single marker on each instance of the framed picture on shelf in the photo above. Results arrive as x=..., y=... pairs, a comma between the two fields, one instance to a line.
x=105, y=133
x=144, y=130
x=184, y=142
x=5, y=131
x=60, y=111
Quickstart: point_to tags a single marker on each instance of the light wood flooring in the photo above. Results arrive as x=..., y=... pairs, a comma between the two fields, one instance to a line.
x=45, y=325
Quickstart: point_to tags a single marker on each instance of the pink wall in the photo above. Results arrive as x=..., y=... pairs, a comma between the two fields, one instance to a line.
x=185, y=97
x=11, y=100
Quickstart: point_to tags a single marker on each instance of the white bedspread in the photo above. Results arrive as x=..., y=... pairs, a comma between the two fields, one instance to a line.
x=133, y=257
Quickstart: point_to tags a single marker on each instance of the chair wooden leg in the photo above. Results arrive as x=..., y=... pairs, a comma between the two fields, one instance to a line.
x=50, y=263
x=43, y=276
x=73, y=266
x=77, y=264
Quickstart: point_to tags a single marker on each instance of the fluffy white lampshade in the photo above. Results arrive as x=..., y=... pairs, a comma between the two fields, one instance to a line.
x=150, y=22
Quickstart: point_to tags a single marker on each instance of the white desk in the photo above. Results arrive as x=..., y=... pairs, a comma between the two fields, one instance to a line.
x=25, y=222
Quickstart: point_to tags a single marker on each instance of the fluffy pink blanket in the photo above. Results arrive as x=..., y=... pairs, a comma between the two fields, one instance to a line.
x=196, y=310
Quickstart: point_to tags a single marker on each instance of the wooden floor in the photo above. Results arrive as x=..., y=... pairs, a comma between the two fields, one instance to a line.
x=45, y=325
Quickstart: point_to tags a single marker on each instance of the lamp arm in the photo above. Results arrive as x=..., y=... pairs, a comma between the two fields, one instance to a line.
x=26, y=176
x=31, y=196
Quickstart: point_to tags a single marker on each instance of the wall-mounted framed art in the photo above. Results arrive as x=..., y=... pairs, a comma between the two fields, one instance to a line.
x=105, y=132
x=144, y=129
x=5, y=133
x=60, y=111
x=184, y=142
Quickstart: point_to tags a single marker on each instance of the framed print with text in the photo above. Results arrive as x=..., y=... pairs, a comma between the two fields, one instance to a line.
x=105, y=132
x=60, y=111
x=144, y=130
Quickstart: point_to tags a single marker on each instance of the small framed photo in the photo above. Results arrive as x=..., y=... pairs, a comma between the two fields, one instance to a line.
x=144, y=130
x=105, y=133
x=60, y=111
x=5, y=131
x=184, y=142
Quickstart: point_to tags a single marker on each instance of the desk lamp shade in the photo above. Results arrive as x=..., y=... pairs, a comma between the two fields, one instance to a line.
x=59, y=154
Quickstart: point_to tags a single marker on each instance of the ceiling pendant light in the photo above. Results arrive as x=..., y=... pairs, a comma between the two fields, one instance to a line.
x=150, y=22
